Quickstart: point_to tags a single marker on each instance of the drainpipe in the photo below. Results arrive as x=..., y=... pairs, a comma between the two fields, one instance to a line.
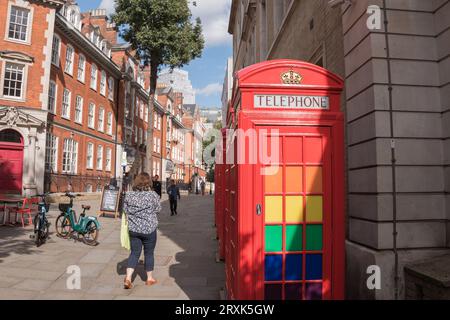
x=117, y=102
x=393, y=158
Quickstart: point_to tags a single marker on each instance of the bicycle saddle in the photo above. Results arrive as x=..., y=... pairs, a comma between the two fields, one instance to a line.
x=86, y=207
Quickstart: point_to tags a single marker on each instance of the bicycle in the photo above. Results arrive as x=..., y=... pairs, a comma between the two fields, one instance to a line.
x=40, y=222
x=67, y=223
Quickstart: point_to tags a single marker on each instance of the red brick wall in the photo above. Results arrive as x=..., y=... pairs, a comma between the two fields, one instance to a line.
x=81, y=132
x=35, y=49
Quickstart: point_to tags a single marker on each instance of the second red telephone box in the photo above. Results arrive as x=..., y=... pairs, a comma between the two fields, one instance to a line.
x=283, y=194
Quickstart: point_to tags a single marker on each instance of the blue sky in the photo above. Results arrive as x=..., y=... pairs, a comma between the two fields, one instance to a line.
x=206, y=73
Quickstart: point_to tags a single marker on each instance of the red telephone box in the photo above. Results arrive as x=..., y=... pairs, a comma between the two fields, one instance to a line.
x=283, y=209
x=219, y=198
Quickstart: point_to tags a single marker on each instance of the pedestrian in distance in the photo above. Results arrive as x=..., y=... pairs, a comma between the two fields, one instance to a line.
x=174, y=193
x=141, y=207
x=157, y=185
x=203, y=186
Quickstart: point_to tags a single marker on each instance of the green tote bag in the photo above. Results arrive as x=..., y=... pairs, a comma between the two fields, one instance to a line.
x=124, y=233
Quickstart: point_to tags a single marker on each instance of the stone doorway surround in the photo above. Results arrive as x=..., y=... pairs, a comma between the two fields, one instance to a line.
x=31, y=124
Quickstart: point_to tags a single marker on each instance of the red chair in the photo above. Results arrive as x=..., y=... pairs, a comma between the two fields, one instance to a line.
x=27, y=208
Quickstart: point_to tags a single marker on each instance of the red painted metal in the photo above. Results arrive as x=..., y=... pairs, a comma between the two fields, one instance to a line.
x=241, y=185
x=11, y=166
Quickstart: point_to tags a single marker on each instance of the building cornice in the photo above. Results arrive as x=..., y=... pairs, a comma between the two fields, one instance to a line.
x=177, y=121
x=56, y=3
x=77, y=37
x=158, y=107
x=140, y=89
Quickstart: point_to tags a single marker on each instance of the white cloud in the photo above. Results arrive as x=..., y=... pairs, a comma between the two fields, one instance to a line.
x=210, y=89
x=213, y=13
x=108, y=5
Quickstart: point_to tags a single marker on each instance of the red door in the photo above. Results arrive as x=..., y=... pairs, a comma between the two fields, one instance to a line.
x=11, y=161
x=294, y=225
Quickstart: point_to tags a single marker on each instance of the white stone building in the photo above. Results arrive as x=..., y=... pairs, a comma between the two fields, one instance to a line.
x=179, y=80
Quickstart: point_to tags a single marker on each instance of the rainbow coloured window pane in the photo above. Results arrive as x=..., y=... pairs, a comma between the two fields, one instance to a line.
x=293, y=217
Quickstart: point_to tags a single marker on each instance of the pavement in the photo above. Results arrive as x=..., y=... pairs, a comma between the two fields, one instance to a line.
x=185, y=259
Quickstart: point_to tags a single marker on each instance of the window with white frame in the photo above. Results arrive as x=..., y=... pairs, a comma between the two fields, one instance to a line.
x=13, y=80
x=90, y=156
x=52, y=93
x=109, y=123
x=141, y=110
x=89, y=188
x=108, y=159
x=99, y=157
x=103, y=83
x=56, y=47
x=155, y=121
x=111, y=88
x=91, y=116
x=146, y=113
x=70, y=152
x=159, y=122
x=101, y=119
x=140, y=136
x=51, y=152
x=145, y=136
x=79, y=110
x=65, y=113
x=94, y=77
x=19, y=24
x=68, y=68
x=81, y=68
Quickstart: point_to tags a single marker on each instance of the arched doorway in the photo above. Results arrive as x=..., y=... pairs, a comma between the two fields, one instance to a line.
x=11, y=161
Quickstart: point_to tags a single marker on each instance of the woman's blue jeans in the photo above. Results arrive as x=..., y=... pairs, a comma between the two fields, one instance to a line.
x=137, y=241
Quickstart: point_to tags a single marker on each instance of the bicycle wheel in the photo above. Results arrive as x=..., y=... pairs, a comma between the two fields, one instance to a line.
x=37, y=233
x=63, y=228
x=91, y=235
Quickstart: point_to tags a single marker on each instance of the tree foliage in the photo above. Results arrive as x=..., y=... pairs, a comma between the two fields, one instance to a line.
x=161, y=31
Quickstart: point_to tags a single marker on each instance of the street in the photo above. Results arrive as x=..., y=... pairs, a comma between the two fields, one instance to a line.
x=185, y=265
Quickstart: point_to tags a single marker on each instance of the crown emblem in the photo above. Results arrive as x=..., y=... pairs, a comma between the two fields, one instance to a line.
x=291, y=77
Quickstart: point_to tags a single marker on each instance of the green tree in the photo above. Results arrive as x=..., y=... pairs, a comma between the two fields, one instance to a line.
x=162, y=33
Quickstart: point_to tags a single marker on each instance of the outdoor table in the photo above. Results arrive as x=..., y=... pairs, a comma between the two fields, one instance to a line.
x=9, y=199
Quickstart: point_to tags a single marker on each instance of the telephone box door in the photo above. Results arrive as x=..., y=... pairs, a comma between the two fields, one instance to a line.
x=294, y=224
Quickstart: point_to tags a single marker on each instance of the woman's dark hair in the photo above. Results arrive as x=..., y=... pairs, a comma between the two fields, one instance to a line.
x=142, y=182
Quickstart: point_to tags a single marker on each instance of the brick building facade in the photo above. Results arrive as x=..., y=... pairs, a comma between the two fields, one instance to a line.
x=397, y=112
x=74, y=108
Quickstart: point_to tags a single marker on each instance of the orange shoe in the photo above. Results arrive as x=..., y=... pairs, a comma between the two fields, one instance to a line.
x=127, y=284
x=150, y=282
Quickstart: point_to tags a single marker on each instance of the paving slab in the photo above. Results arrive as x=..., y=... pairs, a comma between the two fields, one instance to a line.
x=33, y=285
x=184, y=260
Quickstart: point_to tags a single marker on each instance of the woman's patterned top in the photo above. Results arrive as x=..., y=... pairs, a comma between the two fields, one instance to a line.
x=142, y=208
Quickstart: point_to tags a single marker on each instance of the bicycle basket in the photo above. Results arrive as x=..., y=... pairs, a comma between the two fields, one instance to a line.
x=63, y=207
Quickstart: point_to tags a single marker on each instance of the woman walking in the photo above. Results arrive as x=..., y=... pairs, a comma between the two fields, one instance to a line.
x=142, y=206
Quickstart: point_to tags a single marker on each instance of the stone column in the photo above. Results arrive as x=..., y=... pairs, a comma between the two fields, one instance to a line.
x=30, y=187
